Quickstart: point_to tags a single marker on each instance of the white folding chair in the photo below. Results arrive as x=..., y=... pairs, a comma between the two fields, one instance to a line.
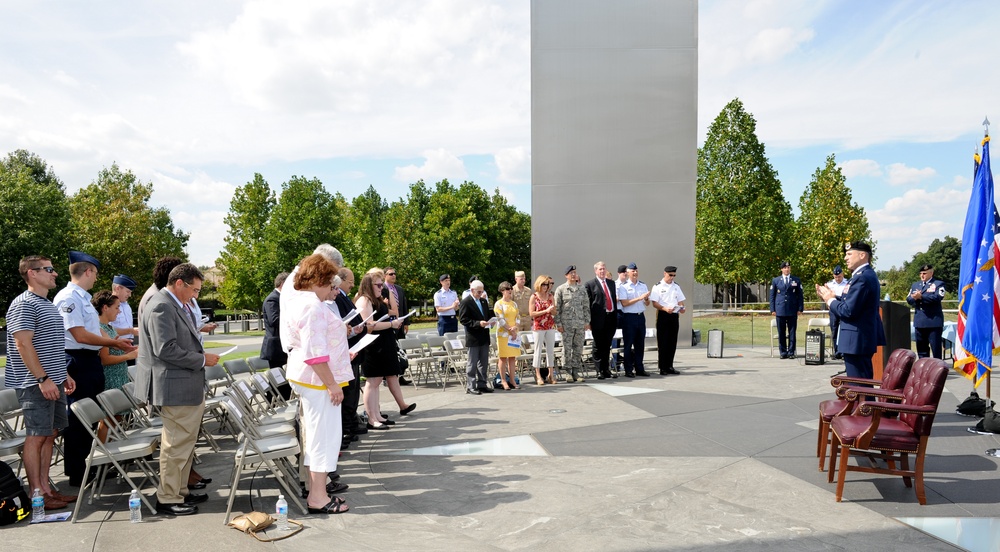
x=277, y=453
x=114, y=452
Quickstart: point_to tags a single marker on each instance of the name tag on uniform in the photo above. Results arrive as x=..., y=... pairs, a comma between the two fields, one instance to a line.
x=847, y=287
x=794, y=284
x=931, y=288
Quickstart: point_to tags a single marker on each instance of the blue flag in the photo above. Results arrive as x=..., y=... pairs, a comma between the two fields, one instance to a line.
x=976, y=277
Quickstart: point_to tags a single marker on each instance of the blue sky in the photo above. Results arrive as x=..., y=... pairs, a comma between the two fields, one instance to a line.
x=197, y=96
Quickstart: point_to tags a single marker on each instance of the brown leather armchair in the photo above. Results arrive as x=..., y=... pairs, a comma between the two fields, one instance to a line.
x=893, y=378
x=872, y=435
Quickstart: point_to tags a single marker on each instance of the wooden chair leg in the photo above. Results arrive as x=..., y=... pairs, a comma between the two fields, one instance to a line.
x=845, y=453
x=919, y=476
x=834, y=447
x=904, y=463
x=824, y=438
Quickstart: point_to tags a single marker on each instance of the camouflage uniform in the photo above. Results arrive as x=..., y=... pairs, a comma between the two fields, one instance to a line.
x=572, y=314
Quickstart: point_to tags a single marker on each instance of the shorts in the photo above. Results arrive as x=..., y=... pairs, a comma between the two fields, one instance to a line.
x=42, y=416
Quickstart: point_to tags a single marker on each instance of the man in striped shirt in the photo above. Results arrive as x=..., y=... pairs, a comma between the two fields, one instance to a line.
x=36, y=369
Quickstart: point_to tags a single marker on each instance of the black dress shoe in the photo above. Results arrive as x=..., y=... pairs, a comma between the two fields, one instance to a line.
x=404, y=381
x=408, y=409
x=784, y=357
x=600, y=376
x=486, y=389
x=473, y=392
x=379, y=427
x=673, y=372
x=629, y=375
x=197, y=486
x=176, y=509
x=195, y=498
x=644, y=374
x=791, y=355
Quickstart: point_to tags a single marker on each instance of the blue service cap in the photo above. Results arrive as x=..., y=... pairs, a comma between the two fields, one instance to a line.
x=124, y=280
x=632, y=266
x=81, y=257
x=838, y=270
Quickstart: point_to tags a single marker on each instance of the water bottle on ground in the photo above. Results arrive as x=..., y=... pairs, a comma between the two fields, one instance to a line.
x=135, y=507
x=281, y=512
x=37, y=504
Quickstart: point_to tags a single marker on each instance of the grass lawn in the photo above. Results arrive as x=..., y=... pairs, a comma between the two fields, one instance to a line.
x=755, y=329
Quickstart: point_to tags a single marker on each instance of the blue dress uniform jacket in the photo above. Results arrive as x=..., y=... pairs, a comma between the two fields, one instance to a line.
x=927, y=310
x=786, y=300
x=860, y=326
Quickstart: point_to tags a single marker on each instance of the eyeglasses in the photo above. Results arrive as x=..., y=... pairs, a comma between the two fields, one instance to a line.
x=48, y=269
x=196, y=290
x=545, y=284
x=505, y=289
x=671, y=274
x=390, y=273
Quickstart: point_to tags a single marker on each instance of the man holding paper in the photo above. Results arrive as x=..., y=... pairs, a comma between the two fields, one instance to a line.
x=668, y=299
x=474, y=313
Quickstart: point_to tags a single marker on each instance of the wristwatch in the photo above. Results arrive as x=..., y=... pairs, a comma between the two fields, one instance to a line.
x=42, y=379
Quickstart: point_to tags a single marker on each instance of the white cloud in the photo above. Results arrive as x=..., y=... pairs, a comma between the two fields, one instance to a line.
x=899, y=174
x=860, y=167
x=438, y=164
x=770, y=45
x=908, y=223
x=513, y=164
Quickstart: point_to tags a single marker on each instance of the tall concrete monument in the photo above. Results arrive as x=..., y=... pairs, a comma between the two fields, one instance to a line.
x=614, y=112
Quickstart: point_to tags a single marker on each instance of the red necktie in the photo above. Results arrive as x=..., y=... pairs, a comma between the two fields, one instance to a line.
x=607, y=297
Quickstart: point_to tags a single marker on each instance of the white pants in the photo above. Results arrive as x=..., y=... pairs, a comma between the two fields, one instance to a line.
x=322, y=424
x=548, y=338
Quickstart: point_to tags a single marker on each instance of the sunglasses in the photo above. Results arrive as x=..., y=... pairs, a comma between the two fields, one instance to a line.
x=390, y=273
x=48, y=269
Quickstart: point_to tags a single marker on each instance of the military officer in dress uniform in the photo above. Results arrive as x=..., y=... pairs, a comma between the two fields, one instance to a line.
x=83, y=340
x=836, y=285
x=928, y=320
x=787, y=304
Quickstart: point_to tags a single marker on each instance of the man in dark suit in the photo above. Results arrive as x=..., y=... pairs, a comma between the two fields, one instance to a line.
x=603, y=318
x=860, y=326
x=356, y=330
x=270, y=348
x=171, y=375
x=928, y=318
x=400, y=296
x=787, y=303
x=474, y=313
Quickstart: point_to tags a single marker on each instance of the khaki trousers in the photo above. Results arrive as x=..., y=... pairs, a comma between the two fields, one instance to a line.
x=179, y=436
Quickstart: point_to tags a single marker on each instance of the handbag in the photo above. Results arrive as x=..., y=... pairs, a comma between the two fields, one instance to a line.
x=256, y=522
x=973, y=406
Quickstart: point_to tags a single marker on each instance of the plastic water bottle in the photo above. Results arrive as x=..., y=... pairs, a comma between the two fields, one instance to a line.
x=135, y=507
x=281, y=511
x=37, y=505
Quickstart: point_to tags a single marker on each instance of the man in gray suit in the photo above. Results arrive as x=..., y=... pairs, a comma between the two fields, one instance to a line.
x=171, y=375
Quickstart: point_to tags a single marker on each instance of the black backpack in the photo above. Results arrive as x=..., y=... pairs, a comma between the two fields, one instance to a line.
x=14, y=502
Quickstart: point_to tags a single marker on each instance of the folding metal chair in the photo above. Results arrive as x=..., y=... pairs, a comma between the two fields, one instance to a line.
x=274, y=452
x=114, y=452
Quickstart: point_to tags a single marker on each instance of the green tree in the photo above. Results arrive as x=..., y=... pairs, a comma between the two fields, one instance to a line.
x=828, y=219
x=34, y=219
x=305, y=216
x=508, y=231
x=364, y=222
x=114, y=222
x=946, y=258
x=453, y=237
x=406, y=247
x=244, y=284
x=743, y=223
